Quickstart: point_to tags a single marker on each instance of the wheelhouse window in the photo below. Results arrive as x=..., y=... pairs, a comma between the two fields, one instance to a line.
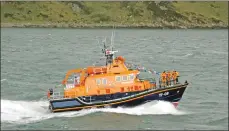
x=104, y=81
x=131, y=76
x=117, y=78
x=124, y=78
x=98, y=81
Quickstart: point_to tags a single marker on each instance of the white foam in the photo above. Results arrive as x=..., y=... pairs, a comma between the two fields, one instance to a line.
x=150, y=108
x=189, y=54
x=32, y=111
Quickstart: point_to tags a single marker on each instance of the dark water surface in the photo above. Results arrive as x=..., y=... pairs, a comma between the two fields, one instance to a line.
x=33, y=60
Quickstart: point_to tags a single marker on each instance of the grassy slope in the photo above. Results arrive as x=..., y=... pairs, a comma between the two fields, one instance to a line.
x=211, y=10
x=74, y=13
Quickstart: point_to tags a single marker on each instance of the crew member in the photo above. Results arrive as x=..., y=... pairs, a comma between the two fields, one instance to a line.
x=76, y=80
x=163, y=78
x=177, y=76
x=50, y=92
x=174, y=76
x=168, y=77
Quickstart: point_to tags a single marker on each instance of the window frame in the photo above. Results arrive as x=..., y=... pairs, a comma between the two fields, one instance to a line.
x=104, y=79
x=98, y=81
x=120, y=78
x=126, y=78
x=131, y=75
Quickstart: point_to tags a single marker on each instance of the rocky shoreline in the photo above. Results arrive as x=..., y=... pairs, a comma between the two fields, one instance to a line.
x=143, y=26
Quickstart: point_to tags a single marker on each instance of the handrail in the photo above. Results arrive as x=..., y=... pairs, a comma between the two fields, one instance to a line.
x=171, y=82
x=56, y=95
x=69, y=73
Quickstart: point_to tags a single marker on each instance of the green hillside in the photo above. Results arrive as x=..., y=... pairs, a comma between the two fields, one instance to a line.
x=123, y=14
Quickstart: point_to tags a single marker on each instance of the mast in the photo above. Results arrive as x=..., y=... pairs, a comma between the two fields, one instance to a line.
x=109, y=53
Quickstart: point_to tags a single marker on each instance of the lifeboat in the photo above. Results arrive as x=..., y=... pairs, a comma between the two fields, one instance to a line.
x=116, y=83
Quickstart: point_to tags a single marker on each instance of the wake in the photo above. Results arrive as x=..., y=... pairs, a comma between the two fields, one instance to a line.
x=33, y=111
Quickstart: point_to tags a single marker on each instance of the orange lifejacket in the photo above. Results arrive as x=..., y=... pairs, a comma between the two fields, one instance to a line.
x=168, y=75
x=163, y=75
x=174, y=75
x=177, y=73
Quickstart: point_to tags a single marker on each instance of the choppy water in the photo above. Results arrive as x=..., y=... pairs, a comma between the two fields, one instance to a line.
x=32, y=60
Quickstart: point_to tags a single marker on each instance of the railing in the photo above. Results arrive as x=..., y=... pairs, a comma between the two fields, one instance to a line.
x=151, y=80
x=70, y=86
x=167, y=83
x=56, y=95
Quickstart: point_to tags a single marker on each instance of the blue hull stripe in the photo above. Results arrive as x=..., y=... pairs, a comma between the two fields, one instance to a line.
x=61, y=104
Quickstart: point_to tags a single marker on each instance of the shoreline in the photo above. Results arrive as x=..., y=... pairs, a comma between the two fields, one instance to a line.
x=109, y=26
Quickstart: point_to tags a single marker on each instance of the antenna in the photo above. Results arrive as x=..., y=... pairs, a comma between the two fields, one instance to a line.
x=112, y=38
x=98, y=42
x=109, y=53
x=104, y=45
